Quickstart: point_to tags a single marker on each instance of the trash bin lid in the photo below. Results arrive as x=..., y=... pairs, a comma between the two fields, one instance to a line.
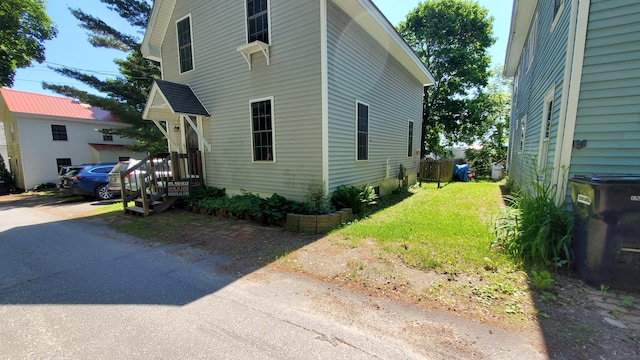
x=608, y=179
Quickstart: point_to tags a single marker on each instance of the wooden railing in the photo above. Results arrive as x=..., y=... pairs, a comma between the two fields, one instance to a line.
x=436, y=171
x=146, y=183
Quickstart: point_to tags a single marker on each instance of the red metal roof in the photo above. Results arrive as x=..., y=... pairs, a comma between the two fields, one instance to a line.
x=40, y=104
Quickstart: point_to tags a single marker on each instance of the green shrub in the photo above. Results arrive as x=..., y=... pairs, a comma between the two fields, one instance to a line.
x=276, y=208
x=541, y=280
x=356, y=198
x=200, y=193
x=534, y=228
x=247, y=203
x=45, y=187
x=4, y=172
x=316, y=202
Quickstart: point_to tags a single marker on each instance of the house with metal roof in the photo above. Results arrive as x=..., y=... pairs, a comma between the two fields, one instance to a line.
x=44, y=132
x=276, y=96
x=576, y=90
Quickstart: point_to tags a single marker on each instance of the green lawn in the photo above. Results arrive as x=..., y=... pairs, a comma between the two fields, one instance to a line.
x=446, y=230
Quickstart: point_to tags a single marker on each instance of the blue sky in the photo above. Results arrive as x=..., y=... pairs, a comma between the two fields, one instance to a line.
x=72, y=49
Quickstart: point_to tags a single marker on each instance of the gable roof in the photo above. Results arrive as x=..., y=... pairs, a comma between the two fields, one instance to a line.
x=364, y=12
x=179, y=98
x=23, y=102
x=521, y=17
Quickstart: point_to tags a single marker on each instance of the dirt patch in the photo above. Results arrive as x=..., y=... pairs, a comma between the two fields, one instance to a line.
x=575, y=321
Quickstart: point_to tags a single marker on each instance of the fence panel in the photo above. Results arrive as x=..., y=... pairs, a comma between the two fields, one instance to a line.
x=436, y=170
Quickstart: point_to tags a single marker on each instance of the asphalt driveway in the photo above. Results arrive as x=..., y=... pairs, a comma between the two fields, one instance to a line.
x=71, y=289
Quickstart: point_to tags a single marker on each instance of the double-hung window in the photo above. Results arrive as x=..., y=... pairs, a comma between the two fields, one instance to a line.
x=185, y=45
x=410, y=140
x=545, y=129
x=362, y=127
x=59, y=132
x=258, y=21
x=262, y=129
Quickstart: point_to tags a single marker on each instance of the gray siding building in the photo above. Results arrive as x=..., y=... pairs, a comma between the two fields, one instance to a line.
x=292, y=94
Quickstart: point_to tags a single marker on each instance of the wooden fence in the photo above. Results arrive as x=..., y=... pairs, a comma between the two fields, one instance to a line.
x=436, y=171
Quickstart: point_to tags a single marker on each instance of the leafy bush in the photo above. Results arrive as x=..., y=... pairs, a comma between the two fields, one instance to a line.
x=316, y=202
x=247, y=203
x=534, y=228
x=541, y=280
x=200, y=193
x=276, y=208
x=356, y=198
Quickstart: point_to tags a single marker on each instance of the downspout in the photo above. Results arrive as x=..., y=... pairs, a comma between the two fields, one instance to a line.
x=570, y=95
x=325, y=93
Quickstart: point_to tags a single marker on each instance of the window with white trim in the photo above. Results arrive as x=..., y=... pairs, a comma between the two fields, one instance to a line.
x=523, y=133
x=61, y=162
x=262, y=130
x=59, y=132
x=107, y=136
x=185, y=45
x=545, y=129
x=558, y=7
x=258, y=21
x=362, y=131
x=410, y=140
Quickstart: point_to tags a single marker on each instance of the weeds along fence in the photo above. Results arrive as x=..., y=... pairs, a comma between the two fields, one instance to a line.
x=436, y=171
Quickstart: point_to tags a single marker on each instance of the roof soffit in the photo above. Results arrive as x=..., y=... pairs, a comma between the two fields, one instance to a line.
x=157, y=28
x=521, y=17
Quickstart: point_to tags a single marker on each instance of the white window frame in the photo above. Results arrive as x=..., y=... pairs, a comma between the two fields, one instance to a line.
x=545, y=128
x=358, y=102
x=193, y=54
x=273, y=130
x=250, y=48
x=411, y=128
x=522, y=125
x=556, y=18
x=246, y=22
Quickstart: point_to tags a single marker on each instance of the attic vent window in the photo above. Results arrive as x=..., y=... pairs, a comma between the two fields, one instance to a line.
x=258, y=31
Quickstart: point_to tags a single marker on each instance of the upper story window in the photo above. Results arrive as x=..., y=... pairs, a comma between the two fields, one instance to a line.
x=362, y=137
x=558, y=7
x=107, y=137
x=258, y=21
x=262, y=129
x=59, y=132
x=185, y=46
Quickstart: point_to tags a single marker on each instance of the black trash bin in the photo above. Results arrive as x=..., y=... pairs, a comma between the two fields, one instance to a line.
x=606, y=231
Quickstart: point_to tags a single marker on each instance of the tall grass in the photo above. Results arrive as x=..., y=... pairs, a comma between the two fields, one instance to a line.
x=534, y=228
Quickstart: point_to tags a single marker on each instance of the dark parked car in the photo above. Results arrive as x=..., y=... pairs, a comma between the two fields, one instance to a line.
x=86, y=180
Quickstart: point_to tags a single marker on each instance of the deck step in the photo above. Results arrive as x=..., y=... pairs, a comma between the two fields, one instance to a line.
x=137, y=210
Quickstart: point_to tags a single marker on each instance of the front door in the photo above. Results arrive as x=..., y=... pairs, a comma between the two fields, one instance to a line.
x=194, y=155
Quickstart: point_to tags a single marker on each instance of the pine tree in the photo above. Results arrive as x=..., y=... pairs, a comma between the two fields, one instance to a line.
x=125, y=95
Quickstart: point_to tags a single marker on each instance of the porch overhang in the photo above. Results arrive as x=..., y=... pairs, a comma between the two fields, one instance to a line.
x=169, y=101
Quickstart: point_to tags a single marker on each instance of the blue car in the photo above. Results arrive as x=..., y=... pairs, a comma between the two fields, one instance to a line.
x=86, y=180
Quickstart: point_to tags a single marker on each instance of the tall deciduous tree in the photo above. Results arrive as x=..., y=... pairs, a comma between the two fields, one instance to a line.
x=452, y=38
x=125, y=95
x=24, y=26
